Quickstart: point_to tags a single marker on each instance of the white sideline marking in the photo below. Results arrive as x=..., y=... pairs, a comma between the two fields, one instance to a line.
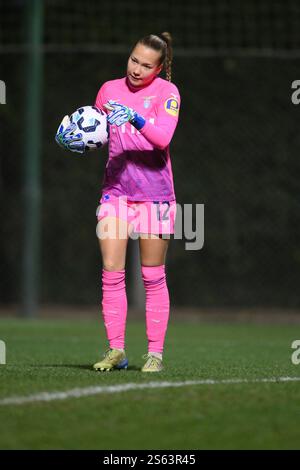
x=96, y=390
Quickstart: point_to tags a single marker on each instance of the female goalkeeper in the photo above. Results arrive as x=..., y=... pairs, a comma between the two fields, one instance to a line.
x=137, y=194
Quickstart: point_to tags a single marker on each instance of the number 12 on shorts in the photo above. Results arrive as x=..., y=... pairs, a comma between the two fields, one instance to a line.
x=162, y=211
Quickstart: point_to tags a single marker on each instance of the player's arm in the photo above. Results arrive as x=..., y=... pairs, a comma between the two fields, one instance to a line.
x=161, y=133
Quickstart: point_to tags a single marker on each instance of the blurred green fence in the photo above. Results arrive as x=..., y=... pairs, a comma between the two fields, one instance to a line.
x=235, y=149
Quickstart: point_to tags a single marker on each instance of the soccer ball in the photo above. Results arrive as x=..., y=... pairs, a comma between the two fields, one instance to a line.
x=92, y=124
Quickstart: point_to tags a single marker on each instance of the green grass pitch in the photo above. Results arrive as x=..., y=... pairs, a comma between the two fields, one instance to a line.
x=56, y=355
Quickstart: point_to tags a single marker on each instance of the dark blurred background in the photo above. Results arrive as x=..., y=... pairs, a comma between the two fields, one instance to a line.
x=235, y=150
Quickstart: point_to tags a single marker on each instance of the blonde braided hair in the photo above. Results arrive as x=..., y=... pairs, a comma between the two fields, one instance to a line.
x=169, y=55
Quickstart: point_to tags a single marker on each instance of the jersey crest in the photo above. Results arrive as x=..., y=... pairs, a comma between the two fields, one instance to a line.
x=147, y=101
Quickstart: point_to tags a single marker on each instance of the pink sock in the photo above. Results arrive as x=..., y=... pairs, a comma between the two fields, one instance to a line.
x=114, y=307
x=157, y=306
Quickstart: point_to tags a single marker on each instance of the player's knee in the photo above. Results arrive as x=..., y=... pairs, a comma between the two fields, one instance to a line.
x=111, y=265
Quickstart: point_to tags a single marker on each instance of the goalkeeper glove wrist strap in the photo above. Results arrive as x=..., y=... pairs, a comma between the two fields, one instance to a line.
x=138, y=121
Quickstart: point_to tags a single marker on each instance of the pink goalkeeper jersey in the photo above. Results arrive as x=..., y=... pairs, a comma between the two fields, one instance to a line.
x=139, y=165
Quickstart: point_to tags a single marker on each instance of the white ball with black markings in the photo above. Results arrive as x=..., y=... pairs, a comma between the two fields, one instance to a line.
x=91, y=122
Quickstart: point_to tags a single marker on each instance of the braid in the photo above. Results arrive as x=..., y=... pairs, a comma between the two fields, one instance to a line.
x=168, y=70
x=169, y=54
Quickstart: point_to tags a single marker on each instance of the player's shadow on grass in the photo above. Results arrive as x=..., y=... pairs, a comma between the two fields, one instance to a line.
x=73, y=366
x=78, y=366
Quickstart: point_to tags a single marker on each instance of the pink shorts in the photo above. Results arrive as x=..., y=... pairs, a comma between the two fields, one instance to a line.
x=156, y=217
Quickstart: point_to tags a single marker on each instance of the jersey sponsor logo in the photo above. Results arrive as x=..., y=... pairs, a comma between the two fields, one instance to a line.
x=172, y=106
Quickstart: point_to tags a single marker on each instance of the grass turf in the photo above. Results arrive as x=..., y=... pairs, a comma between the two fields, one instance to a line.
x=57, y=356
